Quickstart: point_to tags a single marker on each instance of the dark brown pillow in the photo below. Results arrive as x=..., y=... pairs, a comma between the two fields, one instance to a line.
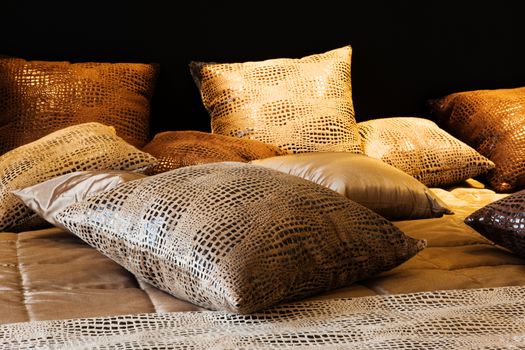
x=493, y=122
x=175, y=149
x=503, y=222
x=39, y=97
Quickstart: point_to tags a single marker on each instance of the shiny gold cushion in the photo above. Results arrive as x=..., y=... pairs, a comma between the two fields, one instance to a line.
x=299, y=105
x=88, y=146
x=422, y=149
x=368, y=181
x=175, y=149
x=49, y=197
x=493, y=122
x=237, y=237
x=39, y=97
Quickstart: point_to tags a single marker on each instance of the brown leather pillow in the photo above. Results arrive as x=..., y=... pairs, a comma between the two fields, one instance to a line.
x=175, y=149
x=503, y=222
x=493, y=122
x=39, y=97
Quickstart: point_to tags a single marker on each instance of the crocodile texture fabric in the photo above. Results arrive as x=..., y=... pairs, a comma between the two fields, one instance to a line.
x=238, y=237
x=39, y=97
x=503, y=222
x=175, y=149
x=88, y=146
x=493, y=122
x=422, y=149
x=299, y=105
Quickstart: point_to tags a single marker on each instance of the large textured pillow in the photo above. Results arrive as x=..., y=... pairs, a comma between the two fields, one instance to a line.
x=299, y=105
x=88, y=146
x=503, y=222
x=39, y=97
x=368, y=181
x=238, y=237
x=422, y=149
x=49, y=197
x=493, y=122
x=175, y=149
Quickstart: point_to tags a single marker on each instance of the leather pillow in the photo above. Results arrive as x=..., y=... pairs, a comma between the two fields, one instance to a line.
x=493, y=122
x=39, y=97
x=422, y=149
x=378, y=186
x=502, y=222
x=88, y=146
x=299, y=105
x=175, y=149
x=238, y=237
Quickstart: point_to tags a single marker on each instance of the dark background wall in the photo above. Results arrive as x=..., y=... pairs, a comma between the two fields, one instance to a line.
x=404, y=52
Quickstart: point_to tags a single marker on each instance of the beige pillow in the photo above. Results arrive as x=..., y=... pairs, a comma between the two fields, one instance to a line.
x=299, y=105
x=49, y=197
x=421, y=149
x=89, y=146
x=238, y=237
x=368, y=181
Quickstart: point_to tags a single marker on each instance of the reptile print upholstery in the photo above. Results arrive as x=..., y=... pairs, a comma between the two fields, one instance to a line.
x=39, y=97
x=238, y=237
x=299, y=105
x=175, y=149
x=422, y=149
x=493, y=122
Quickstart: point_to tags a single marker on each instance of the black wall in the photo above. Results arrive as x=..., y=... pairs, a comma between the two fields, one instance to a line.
x=404, y=52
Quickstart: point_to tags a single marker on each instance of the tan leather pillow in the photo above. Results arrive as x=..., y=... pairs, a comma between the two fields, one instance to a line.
x=378, y=186
x=238, y=237
x=299, y=105
x=422, y=149
x=493, y=122
x=175, y=149
x=39, y=97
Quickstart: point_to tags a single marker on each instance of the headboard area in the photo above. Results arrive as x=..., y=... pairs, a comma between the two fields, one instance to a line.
x=404, y=52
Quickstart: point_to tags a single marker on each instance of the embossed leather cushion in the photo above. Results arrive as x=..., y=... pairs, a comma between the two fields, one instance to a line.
x=175, y=149
x=39, y=97
x=238, y=237
x=422, y=149
x=300, y=105
x=88, y=146
x=503, y=222
x=368, y=181
x=493, y=122
x=49, y=197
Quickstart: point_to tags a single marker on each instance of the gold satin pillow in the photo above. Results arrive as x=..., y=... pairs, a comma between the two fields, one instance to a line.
x=493, y=122
x=299, y=105
x=88, y=146
x=39, y=97
x=422, y=149
x=175, y=149
x=238, y=237
x=378, y=186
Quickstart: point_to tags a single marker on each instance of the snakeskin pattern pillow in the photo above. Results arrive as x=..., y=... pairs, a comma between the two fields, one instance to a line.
x=299, y=105
x=493, y=122
x=503, y=222
x=39, y=97
x=88, y=146
x=175, y=149
x=378, y=186
x=238, y=237
x=422, y=149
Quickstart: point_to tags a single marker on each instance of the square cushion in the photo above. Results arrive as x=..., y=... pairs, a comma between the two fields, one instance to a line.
x=493, y=122
x=88, y=146
x=238, y=237
x=422, y=149
x=39, y=97
x=299, y=105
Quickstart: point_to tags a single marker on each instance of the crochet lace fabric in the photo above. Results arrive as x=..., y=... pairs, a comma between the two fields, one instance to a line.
x=456, y=319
